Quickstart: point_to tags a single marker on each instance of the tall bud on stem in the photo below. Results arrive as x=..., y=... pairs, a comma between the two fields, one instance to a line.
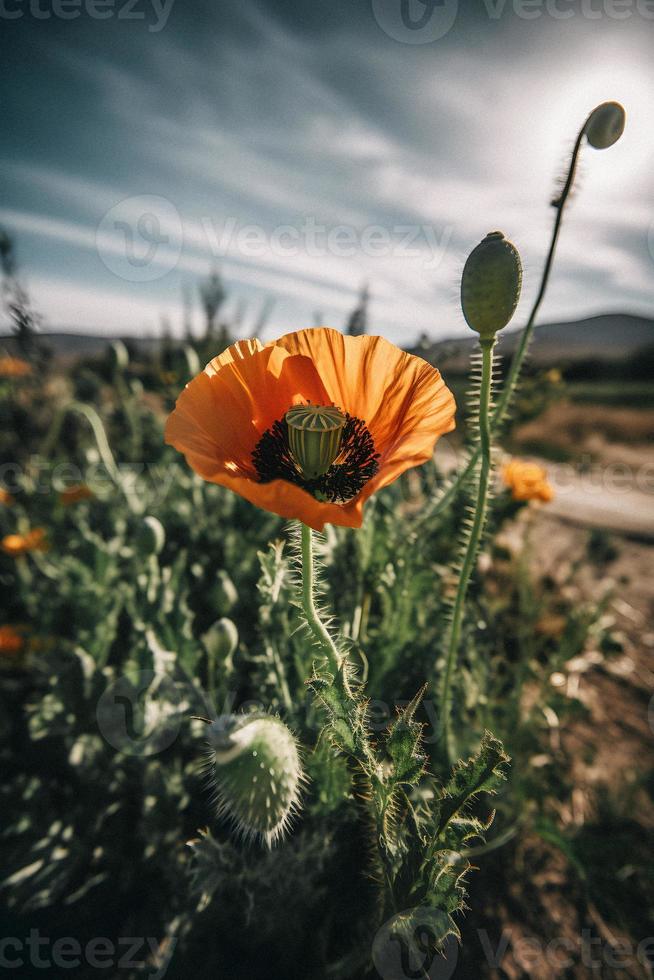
x=490, y=290
x=602, y=129
x=490, y=285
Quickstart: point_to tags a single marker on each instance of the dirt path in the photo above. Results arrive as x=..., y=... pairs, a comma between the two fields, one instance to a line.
x=529, y=899
x=616, y=497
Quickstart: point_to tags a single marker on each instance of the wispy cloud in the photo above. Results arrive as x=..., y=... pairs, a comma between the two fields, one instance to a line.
x=275, y=123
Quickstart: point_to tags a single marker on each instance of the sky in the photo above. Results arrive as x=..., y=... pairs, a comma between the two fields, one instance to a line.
x=307, y=149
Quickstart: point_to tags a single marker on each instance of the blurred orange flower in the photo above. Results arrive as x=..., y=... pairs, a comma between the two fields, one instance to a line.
x=6, y=498
x=21, y=544
x=527, y=481
x=74, y=494
x=11, y=641
x=369, y=412
x=14, y=367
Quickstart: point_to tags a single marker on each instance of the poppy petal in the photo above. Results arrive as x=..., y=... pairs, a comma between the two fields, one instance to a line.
x=237, y=352
x=403, y=400
x=290, y=501
x=223, y=412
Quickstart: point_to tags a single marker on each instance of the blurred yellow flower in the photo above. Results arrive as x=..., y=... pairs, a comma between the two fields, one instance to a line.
x=527, y=481
x=21, y=544
x=14, y=367
x=6, y=498
x=74, y=494
x=11, y=642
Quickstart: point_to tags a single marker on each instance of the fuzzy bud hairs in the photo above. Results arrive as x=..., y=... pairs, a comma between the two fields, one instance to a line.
x=255, y=766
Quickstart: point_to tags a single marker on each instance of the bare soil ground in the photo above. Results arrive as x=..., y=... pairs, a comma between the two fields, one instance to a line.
x=544, y=914
x=581, y=428
x=604, y=474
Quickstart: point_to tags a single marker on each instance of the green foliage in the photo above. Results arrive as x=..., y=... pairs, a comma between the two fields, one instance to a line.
x=97, y=807
x=480, y=774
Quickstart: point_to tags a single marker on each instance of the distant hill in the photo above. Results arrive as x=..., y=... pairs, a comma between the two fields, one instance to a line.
x=72, y=345
x=609, y=337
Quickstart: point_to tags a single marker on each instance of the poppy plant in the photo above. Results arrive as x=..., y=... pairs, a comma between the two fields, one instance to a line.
x=311, y=425
x=21, y=544
x=75, y=494
x=527, y=481
x=11, y=641
x=14, y=367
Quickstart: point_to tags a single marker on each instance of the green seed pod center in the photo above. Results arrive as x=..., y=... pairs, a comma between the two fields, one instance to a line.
x=314, y=437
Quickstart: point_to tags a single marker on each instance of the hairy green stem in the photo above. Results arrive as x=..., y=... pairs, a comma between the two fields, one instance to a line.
x=316, y=625
x=474, y=538
x=358, y=761
x=441, y=503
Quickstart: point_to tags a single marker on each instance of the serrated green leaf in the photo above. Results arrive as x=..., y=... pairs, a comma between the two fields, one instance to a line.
x=481, y=773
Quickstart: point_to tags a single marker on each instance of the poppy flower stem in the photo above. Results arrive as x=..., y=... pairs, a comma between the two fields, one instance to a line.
x=359, y=754
x=471, y=545
x=443, y=501
x=314, y=621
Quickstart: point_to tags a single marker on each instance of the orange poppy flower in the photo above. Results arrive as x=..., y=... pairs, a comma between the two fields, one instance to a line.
x=527, y=481
x=21, y=544
x=370, y=411
x=11, y=641
x=5, y=497
x=14, y=367
x=74, y=494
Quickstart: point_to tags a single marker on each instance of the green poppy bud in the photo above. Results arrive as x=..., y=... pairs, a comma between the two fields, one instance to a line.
x=490, y=285
x=149, y=537
x=118, y=355
x=258, y=773
x=192, y=361
x=605, y=125
x=220, y=642
x=224, y=594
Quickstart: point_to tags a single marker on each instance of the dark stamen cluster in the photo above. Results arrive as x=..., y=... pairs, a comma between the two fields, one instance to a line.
x=356, y=463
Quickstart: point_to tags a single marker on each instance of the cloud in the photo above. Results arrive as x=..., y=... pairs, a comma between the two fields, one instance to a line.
x=277, y=116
